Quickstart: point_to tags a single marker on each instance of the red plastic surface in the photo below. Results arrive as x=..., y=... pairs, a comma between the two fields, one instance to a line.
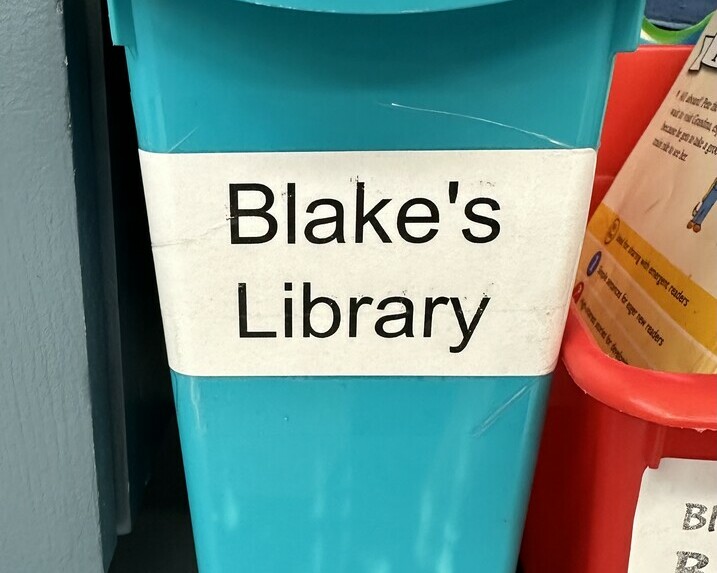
x=610, y=422
x=639, y=85
x=665, y=398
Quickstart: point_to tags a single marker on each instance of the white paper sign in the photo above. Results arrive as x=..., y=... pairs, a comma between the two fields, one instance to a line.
x=674, y=528
x=358, y=263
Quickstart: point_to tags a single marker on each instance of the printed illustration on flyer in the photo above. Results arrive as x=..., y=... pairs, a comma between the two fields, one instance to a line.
x=703, y=208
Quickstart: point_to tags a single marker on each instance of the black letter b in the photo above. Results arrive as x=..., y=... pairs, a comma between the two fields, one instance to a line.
x=683, y=557
x=263, y=212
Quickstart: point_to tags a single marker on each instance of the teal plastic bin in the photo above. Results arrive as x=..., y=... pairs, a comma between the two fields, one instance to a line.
x=365, y=218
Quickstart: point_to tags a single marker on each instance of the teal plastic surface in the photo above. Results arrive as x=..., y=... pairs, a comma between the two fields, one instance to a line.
x=346, y=474
x=374, y=6
x=226, y=75
x=349, y=475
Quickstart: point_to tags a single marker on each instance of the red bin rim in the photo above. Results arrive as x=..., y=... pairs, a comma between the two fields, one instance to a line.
x=666, y=398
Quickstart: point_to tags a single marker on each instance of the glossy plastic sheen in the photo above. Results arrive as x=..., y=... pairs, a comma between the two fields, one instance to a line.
x=374, y=6
x=667, y=398
x=372, y=474
x=587, y=482
x=608, y=422
x=225, y=75
x=358, y=474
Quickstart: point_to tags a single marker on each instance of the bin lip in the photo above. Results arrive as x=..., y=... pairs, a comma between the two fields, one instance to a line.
x=666, y=398
x=376, y=7
x=664, y=37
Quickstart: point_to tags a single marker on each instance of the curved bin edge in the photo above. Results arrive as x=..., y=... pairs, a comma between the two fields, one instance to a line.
x=670, y=399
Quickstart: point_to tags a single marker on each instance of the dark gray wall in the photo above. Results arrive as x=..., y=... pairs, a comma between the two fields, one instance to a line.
x=56, y=497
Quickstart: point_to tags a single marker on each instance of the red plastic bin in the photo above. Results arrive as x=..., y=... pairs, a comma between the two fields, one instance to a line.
x=608, y=422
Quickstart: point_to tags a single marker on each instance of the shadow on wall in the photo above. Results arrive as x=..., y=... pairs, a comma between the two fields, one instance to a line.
x=144, y=404
x=161, y=540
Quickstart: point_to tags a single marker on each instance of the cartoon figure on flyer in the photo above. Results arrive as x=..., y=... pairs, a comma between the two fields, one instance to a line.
x=702, y=208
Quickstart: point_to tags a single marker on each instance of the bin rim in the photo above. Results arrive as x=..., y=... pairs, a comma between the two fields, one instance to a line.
x=677, y=400
x=663, y=37
x=374, y=7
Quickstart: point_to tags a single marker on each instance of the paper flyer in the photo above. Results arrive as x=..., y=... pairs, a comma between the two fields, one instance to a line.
x=646, y=285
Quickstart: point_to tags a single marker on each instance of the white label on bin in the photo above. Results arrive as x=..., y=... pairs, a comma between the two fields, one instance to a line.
x=674, y=527
x=366, y=263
